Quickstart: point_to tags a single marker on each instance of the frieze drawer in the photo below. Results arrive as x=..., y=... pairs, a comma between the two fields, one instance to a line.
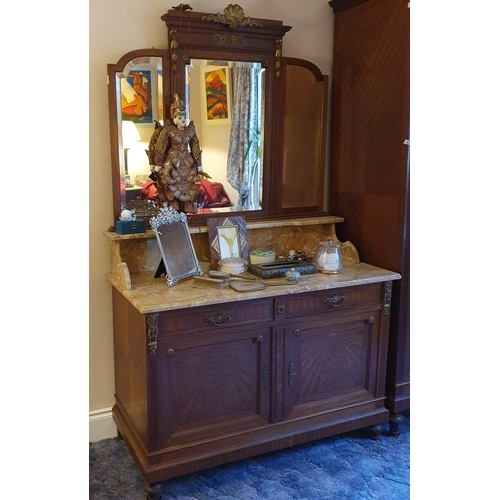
x=332, y=301
x=214, y=318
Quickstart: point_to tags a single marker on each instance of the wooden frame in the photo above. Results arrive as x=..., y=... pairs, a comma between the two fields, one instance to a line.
x=227, y=238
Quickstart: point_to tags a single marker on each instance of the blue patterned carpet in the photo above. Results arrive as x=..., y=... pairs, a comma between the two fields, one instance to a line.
x=345, y=467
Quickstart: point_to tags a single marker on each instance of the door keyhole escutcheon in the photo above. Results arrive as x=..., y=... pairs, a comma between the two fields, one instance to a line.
x=290, y=373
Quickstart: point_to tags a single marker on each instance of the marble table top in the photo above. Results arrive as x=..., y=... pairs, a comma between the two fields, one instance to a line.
x=150, y=294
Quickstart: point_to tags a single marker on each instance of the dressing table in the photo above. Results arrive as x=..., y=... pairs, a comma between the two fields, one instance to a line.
x=208, y=376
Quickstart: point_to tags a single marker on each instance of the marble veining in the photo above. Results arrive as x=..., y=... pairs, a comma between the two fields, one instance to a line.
x=135, y=258
x=149, y=294
x=136, y=253
x=307, y=221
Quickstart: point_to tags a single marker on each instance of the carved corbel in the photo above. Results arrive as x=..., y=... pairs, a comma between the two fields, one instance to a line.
x=152, y=320
x=386, y=302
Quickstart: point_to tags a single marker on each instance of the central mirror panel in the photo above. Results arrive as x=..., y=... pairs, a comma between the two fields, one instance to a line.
x=226, y=101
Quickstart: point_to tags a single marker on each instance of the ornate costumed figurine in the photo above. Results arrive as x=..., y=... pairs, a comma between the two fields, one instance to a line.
x=175, y=160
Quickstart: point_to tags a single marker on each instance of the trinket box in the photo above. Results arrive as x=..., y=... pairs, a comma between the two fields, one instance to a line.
x=132, y=226
x=279, y=269
x=262, y=256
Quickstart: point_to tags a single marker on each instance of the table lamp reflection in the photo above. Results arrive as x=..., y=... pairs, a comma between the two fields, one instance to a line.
x=129, y=134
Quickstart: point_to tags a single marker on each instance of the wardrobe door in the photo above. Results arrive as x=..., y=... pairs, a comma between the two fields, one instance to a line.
x=370, y=147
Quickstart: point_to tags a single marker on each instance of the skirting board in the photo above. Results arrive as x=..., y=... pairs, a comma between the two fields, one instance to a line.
x=101, y=425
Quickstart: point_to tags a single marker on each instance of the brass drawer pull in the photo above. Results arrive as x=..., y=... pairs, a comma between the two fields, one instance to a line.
x=219, y=319
x=336, y=300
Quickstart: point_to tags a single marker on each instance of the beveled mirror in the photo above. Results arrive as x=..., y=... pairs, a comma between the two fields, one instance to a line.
x=135, y=95
x=275, y=168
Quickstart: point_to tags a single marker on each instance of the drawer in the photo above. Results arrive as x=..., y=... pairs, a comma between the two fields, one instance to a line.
x=226, y=315
x=339, y=299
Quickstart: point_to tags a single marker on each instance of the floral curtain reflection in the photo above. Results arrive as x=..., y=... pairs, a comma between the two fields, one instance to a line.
x=243, y=162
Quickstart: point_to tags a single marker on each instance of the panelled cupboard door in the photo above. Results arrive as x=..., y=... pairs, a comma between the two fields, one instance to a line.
x=370, y=171
x=331, y=363
x=210, y=384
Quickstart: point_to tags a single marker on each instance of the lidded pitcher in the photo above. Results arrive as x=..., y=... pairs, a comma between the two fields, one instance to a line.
x=328, y=259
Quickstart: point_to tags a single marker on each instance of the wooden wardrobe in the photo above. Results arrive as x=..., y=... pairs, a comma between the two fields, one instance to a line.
x=370, y=181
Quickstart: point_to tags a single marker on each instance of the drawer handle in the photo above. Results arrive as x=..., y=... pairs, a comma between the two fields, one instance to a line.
x=336, y=300
x=219, y=319
x=170, y=352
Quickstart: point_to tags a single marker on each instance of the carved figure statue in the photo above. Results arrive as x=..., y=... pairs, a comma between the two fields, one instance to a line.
x=175, y=160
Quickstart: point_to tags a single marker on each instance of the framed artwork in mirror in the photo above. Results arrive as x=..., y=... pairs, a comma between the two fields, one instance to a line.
x=136, y=98
x=216, y=97
x=176, y=246
x=228, y=238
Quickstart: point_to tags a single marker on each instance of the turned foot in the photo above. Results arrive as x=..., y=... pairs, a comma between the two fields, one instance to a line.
x=374, y=431
x=394, y=421
x=153, y=490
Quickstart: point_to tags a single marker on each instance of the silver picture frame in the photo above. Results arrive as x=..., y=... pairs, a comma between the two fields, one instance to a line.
x=176, y=246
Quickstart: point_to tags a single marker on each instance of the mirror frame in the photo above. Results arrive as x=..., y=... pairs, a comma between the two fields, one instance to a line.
x=198, y=35
x=115, y=136
x=202, y=35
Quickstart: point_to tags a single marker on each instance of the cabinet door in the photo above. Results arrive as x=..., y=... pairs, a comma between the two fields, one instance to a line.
x=210, y=384
x=332, y=363
x=370, y=172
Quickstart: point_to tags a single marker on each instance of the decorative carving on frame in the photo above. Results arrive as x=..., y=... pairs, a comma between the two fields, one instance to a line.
x=279, y=45
x=233, y=17
x=183, y=7
x=221, y=40
x=152, y=320
x=174, y=47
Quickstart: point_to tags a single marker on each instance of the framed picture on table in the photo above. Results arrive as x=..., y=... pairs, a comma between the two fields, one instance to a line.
x=228, y=238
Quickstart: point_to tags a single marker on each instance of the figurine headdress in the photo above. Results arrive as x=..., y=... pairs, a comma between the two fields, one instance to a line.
x=177, y=107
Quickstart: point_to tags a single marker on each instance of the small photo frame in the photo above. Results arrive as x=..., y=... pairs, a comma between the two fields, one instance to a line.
x=228, y=238
x=216, y=95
